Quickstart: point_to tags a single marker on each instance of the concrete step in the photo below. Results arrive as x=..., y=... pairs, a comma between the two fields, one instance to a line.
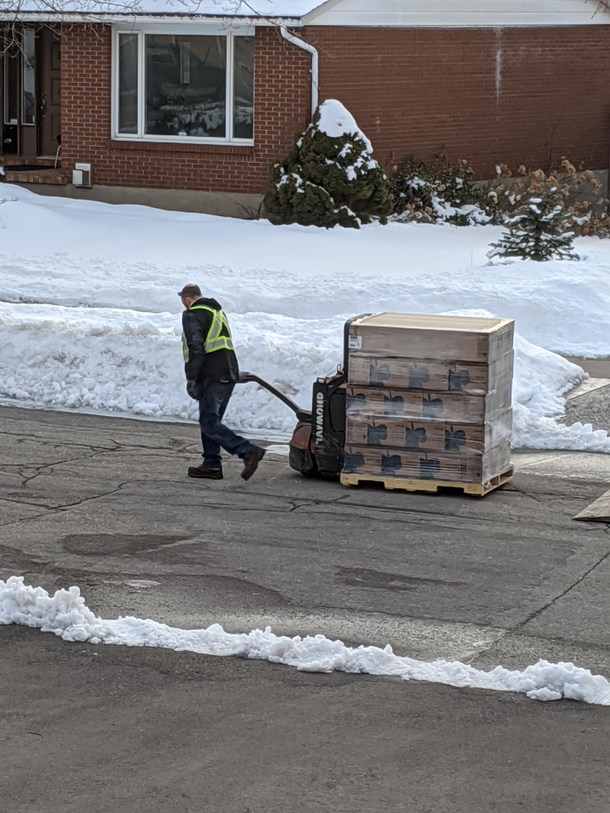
x=45, y=175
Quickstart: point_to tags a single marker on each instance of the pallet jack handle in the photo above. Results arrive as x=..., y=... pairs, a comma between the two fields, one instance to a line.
x=249, y=378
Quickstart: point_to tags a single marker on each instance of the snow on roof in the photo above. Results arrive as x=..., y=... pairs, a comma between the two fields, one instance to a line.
x=336, y=121
x=291, y=9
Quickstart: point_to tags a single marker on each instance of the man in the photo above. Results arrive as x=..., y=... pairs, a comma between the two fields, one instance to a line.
x=211, y=372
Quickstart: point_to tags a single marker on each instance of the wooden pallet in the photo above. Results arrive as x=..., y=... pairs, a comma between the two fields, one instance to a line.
x=392, y=483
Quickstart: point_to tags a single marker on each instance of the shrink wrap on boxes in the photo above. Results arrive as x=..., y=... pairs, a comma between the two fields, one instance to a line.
x=374, y=402
x=431, y=375
x=420, y=336
x=412, y=465
x=402, y=433
x=429, y=398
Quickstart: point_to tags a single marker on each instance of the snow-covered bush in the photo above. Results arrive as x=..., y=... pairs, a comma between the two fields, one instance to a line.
x=329, y=177
x=435, y=191
x=537, y=231
x=579, y=194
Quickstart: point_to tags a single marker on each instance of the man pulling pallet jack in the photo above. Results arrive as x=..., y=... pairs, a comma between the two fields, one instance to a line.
x=211, y=371
x=420, y=402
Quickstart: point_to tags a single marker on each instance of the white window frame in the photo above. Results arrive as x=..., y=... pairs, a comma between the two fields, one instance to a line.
x=193, y=29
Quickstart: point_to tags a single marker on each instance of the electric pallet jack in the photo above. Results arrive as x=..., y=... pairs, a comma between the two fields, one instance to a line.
x=317, y=443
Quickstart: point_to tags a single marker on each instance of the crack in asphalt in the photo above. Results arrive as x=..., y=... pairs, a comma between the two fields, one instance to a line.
x=46, y=441
x=174, y=445
x=444, y=520
x=40, y=469
x=57, y=508
x=564, y=593
x=23, y=502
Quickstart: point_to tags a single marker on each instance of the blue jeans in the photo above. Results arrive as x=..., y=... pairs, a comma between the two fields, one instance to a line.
x=214, y=434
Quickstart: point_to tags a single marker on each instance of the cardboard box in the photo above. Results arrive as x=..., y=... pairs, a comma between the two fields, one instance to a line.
x=412, y=336
x=395, y=433
x=431, y=375
x=432, y=436
x=411, y=465
x=373, y=402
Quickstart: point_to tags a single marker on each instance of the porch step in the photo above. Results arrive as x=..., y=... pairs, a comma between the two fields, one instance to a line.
x=50, y=176
x=36, y=160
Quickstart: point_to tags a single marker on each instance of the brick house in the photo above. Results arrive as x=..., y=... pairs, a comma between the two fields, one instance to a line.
x=185, y=105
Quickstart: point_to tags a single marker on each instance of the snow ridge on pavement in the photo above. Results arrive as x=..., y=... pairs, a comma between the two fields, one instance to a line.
x=66, y=615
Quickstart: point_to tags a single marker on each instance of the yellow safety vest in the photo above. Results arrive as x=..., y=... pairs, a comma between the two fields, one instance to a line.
x=219, y=334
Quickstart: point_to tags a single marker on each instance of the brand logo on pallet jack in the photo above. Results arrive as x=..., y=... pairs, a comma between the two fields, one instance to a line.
x=320, y=417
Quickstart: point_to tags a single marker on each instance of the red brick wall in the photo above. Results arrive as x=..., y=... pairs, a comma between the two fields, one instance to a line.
x=492, y=95
x=282, y=108
x=512, y=95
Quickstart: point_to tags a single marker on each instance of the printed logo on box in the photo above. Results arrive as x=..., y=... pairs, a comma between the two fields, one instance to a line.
x=355, y=342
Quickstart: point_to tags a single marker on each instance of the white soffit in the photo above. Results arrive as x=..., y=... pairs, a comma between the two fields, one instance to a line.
x=458, y=13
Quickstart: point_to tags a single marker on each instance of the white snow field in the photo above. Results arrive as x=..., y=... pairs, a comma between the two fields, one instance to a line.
x=90, y=320
x=67, y=616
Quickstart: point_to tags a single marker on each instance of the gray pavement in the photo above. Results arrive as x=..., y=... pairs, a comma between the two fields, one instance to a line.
x=589, y=405
x=593, y=408
x=105, y=504
x=597, y=368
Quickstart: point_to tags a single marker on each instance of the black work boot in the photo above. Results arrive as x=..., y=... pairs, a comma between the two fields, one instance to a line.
x=251, y=462
x=205, y=474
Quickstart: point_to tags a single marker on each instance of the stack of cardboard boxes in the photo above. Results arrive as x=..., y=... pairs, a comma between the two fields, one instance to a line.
x=429, y=398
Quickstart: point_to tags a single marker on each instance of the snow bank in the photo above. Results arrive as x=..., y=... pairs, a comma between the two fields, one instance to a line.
x=541, y=377
x=130, y=362
x=336, y=121
x=128, y=239
x=98, y=329
x=67, y=616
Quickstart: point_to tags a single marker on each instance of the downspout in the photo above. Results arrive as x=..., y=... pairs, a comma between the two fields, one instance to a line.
x=305, y=46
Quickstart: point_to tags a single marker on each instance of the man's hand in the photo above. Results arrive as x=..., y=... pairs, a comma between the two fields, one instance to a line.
x=193, y=390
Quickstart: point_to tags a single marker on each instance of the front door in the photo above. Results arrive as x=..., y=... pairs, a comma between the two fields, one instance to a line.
x=31, y=85
x=49, y=76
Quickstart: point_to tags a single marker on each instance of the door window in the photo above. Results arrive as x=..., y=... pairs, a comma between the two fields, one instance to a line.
x=11, y=85
x=28, y=51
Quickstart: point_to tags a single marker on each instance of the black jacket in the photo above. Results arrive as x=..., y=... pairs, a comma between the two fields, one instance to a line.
x=203, y=368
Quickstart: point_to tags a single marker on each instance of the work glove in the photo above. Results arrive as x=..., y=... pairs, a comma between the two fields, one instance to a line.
x=193, y=390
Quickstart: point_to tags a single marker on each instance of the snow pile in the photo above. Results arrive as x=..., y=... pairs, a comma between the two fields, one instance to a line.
x=67, y=616
x=336, y=121
x=540, y=379
x=99, y=329
x=129, y=362
x=468, y=213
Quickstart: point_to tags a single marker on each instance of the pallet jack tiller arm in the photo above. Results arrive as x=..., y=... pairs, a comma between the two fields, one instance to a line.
x=249, y=378
x=318, y=441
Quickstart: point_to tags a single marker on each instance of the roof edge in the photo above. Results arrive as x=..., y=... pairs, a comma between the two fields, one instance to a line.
x=105, y=17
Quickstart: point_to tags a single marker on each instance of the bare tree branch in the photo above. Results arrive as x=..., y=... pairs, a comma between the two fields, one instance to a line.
x=221, y=8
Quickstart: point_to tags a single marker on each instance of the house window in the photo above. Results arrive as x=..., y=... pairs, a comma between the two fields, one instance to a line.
x=192, y=87
x=128, y=84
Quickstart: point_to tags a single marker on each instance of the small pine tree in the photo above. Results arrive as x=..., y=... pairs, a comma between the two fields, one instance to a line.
x=329, y=177
x=536, y=231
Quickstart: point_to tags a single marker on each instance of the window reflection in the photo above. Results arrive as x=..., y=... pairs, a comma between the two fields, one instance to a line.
x=186, y=86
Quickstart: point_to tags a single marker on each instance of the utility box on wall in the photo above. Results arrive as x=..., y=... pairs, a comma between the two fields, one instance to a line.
x=82, y=176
